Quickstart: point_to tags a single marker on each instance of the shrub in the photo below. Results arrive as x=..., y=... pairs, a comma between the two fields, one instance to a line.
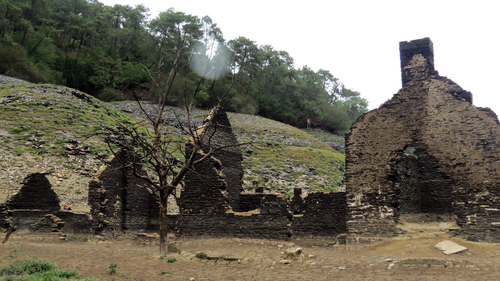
x=112, y=269
x=201, y=256
x=110, y=94
x=31, y=269
x=28, y=266
x=17, y=130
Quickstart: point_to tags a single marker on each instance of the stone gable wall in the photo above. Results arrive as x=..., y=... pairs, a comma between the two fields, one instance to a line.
x=427, y=150
x=214, y=185
x=35, y=193
x=118, y=200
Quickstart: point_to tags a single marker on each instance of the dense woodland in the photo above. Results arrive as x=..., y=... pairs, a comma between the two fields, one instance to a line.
x=117, y=53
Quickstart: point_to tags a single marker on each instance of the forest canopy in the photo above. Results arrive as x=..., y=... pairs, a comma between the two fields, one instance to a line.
x=111, y=52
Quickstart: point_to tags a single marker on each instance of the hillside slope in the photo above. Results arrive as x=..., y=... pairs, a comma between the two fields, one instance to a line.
x=59, y=131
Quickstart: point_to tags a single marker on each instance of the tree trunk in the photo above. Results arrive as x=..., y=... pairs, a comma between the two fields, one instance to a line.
x=163, y=224
x=38, y=44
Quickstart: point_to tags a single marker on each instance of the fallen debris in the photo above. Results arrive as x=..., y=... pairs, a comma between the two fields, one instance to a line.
x=293, y=253
x=448, y=247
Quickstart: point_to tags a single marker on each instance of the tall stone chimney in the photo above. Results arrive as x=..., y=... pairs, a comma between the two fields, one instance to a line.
x=407, y=50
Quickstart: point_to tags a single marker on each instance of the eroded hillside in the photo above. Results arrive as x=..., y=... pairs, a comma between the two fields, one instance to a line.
x=60, y=131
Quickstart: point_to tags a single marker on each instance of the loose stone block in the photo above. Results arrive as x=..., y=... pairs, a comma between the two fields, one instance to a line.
x=448, y=247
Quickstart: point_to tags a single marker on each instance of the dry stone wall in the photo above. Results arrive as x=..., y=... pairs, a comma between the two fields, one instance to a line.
x=119, y=200
x=320, y=215
x=427, y=150
x=211, y=202
x=35, y=193
x=35, y=208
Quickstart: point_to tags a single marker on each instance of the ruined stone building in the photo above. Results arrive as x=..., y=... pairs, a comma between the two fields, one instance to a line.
x=119, y=200
x=35, y=207
x=426, y=152
x=211, y=202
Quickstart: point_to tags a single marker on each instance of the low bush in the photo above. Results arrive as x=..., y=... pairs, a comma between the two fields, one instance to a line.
x=30, y=269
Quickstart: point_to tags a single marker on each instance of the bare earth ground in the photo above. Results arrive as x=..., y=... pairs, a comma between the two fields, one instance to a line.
x=407, y=258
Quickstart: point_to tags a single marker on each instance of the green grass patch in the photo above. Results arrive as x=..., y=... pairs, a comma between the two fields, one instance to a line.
x=34, y=270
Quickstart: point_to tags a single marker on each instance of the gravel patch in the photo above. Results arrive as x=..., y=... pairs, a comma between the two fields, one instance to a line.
x=5, y=79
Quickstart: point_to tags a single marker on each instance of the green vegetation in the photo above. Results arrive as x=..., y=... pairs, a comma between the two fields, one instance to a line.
x=47, y=120
x=35, y=270
x=112, y=269
x=54, y=129
x=64, y=130
x=77, y=238
x=107, y=52
x=282, y=157
x=201, y=256
x=171, y=260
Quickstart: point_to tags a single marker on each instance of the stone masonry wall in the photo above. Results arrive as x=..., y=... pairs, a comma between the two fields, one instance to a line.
x=118, y=200
x=321, y=215
x=36, y=193
x=219, y=178
x=211, y=203
x=35, y=208
x=211, y=207
x=427, y=150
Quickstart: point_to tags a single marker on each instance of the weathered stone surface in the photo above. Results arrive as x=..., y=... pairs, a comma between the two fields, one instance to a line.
x=119, y=200
x=49, y=223
x=36, y=193
x=206, y=190
x=448, y=247
x=427, y=150
x=173, y=248
x=293, y=253
x=320, y=215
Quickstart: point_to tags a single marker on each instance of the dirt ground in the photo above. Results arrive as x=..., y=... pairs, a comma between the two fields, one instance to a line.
x=407, y=258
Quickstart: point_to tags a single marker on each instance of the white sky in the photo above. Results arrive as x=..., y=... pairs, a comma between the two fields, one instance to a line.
x=358, y=40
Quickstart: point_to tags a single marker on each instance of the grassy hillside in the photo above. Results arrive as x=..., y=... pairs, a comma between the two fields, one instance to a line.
x=53, y=130
x=59, y=131
x=282, y=157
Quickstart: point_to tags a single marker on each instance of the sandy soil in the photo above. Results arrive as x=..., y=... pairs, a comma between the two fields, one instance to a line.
x=408, y=258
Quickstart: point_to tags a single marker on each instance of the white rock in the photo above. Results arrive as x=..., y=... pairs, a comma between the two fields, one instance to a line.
x=448, y=247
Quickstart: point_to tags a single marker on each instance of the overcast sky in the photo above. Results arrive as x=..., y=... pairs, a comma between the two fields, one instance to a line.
x=358, y=41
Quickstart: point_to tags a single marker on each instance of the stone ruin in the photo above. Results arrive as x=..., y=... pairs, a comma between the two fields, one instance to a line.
x=256, y=215
x=119, y=200
x=427, y=152
x=35, y=207
x=211, y=203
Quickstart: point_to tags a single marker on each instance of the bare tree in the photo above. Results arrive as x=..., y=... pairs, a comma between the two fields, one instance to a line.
x=153, y=144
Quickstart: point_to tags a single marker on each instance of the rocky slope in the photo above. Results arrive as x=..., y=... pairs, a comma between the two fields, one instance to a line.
x=59, y=131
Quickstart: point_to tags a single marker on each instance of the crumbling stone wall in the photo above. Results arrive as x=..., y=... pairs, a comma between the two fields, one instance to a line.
x=427, y=150
x=319, y=215
x=211, y=203
x=218, y=179
x=118, y=200
x=36, y=208
x=36, y=193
